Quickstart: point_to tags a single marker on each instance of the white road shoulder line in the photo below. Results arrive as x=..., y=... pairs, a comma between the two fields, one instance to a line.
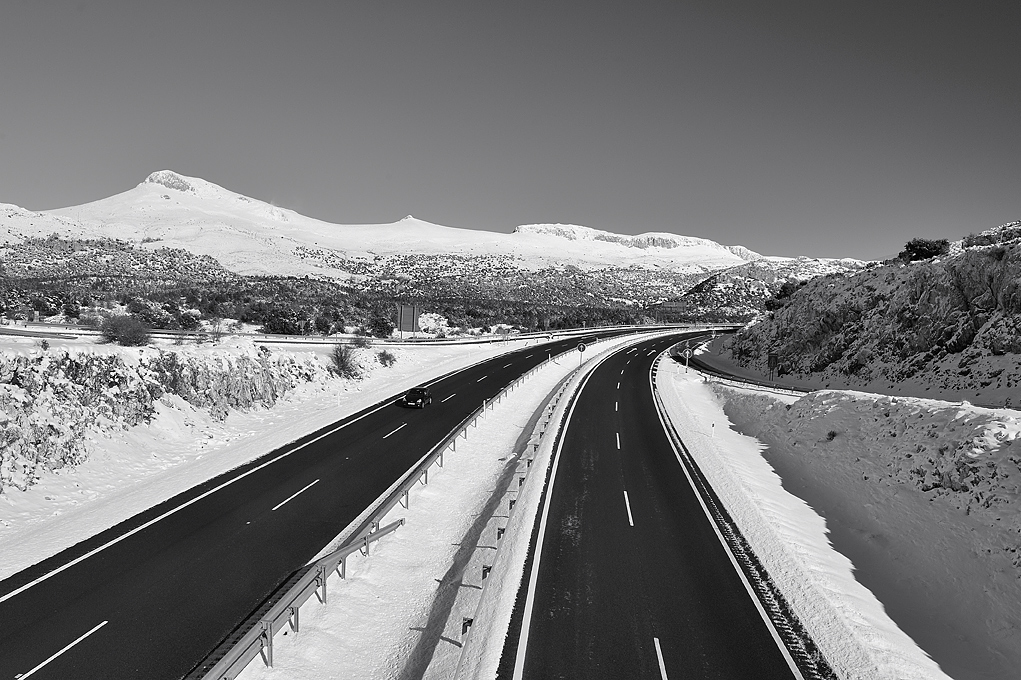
x=293, y=496
x=395, y=430
x=32, y=672
x=627, y=502
x=659, y=656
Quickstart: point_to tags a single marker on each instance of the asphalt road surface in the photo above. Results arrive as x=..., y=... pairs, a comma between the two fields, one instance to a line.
x=152, y=596
x=633, y=581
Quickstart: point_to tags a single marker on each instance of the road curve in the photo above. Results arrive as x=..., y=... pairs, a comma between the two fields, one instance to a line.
x=151, y=596
x=632, y=580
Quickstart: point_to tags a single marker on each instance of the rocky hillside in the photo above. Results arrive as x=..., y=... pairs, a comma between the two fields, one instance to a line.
x=949, y=322
x=53, y=405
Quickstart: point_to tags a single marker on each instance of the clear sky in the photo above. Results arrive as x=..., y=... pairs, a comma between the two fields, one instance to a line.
x=790, y=127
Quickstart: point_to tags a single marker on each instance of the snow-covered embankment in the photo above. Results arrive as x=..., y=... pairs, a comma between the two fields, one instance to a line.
x=847, y=622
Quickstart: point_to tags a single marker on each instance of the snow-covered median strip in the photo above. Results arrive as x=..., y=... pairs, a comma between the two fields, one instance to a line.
x=845, y=620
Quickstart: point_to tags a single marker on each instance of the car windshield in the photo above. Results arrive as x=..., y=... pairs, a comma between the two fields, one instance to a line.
x=417, y=392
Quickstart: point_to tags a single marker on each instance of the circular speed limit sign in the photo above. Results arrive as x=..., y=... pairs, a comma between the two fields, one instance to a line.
x=686, y=353
x=581, y=346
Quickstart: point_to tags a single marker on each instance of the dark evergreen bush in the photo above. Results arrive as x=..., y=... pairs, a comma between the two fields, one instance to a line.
x=125, y=330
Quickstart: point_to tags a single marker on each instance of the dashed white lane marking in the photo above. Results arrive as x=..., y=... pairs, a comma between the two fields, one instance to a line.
x=529, y=356
x=622, y=371
x=291, y=498
x=392, y=431
x=481, y=379
x=32, y=672
x=450, y=397
x=618, y=386
x=627, y=502
x=508, y=365
x=616, y=406
x=659, y=655
x=618, y=441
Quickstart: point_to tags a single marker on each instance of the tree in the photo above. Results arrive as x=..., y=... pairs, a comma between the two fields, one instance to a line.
x=125, y=330
x=381, y=327
x=923, y=249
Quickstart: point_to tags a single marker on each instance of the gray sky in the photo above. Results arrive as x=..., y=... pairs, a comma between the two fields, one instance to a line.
x=793, y=128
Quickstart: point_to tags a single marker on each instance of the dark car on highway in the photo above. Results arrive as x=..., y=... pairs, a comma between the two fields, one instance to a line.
x=417, y=397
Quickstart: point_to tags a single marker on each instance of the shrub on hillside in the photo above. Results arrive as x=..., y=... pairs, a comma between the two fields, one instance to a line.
x=386, y=357
x=125, y=330
x=924, y=248
x=342, y=360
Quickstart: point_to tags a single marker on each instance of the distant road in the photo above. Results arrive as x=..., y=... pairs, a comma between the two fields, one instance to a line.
x=150, y=597
x=631, y=580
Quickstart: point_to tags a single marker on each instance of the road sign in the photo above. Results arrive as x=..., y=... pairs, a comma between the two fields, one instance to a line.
x=581, y=346
x=687, y=353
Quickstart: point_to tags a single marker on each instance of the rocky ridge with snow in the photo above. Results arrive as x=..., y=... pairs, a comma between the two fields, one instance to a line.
x=950, y=323
x=56, y=406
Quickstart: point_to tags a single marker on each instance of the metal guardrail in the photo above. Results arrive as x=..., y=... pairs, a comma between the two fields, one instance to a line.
x=258, y=639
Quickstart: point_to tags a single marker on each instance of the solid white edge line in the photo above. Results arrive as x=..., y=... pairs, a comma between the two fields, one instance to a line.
x=627, y=502
x=291, y=498
x=726, y=548
x=392, y=431
x=533, y=578
x=32, y=672
x=168, y=513
x=448, y=398
x=659, y=656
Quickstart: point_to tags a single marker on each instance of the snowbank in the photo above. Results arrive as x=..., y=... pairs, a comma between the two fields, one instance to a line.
x=922, y=497
x=846, y=621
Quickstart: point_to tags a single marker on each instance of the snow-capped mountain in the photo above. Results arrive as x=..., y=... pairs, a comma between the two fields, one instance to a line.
x=251, y=237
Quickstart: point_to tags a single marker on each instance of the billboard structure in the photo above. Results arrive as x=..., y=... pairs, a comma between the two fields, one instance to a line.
x=407, y=318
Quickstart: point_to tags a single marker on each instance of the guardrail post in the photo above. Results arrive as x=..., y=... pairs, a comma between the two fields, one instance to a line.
x=342, y=568
x=405, y=500
x=486, y=568
x=510, y=505
x=500, y=531
x=266, y=651
x=320, y=583
x=425, y=476
x=521, y=480
x=292, y=618
x=466, y=624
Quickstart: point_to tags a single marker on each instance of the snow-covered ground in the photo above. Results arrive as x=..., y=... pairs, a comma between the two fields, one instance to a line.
x=908, y=521
x=830, y=496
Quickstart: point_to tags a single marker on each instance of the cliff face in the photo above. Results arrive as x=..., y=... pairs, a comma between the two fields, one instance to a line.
x=50, y=402
x=949, y=322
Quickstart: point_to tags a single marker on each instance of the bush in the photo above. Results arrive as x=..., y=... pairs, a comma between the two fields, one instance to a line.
x=362, y=342
x=382, y=327
x=125, y=330
x=343, y=362
x=386, y=358
x=923, y=249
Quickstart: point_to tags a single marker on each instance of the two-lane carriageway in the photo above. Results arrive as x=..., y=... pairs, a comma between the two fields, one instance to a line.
x=628, y=578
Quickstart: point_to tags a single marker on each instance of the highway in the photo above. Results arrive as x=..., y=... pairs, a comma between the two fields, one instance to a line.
x=152, y=596
x=630, y=579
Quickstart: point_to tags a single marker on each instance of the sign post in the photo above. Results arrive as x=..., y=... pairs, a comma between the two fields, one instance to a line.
x=581, y=350
x=773, y=362
x=407, y=318
x=687, y=355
